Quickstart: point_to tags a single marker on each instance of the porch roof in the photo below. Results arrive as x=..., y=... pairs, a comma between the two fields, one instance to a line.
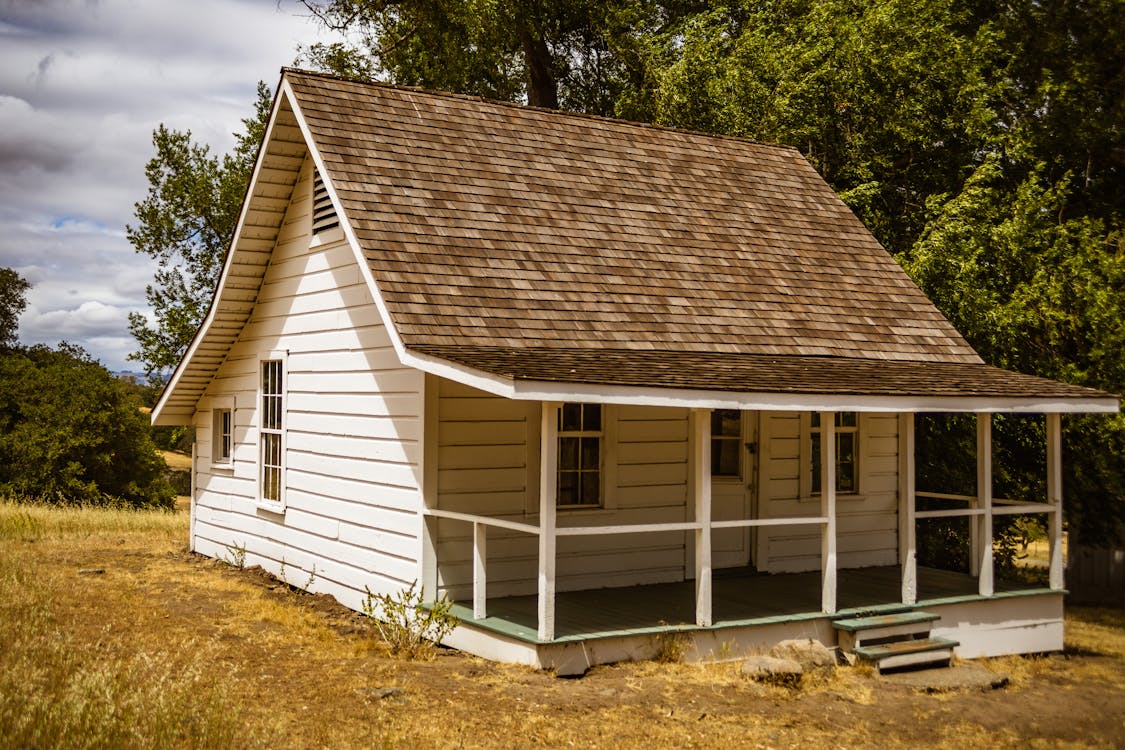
x=862, y=384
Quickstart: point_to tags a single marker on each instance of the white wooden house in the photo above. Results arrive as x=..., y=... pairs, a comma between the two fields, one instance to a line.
x=592, y=380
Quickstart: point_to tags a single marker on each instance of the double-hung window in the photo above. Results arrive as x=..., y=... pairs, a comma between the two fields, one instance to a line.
x=271, y=431
x=847, y=452
x=580, y=455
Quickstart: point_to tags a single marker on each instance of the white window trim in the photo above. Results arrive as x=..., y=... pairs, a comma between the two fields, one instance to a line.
x=219, y=404
x=609, y=505
x=274, y=506
x=805, y=479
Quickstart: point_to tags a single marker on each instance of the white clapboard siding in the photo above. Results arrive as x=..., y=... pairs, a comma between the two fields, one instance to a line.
x=485, y=467
x=353, y=428
x=867, y=523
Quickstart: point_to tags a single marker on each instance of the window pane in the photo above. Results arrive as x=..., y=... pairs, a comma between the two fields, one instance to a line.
x=590, y=457
x=568, y=488
x=568, y=453
x=592, y=417
x=814, y=419
x=590, y=488
x=815, y=463
x=845, y=447
x=724, y=458
x=570, y=418
x=846, y=419
x=726, y=422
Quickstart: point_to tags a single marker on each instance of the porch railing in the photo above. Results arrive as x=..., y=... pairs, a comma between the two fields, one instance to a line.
x=481, y=523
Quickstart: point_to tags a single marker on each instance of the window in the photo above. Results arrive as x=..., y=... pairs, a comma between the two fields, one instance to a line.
x=324, y=215
x=726, y=435
x=271, y=431
x=222, y=431
x=580, y=455
x=847, y=445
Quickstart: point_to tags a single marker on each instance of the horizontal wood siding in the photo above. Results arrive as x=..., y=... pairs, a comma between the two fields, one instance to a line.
x=354, y=429
x=867, y=525
x=488, y=464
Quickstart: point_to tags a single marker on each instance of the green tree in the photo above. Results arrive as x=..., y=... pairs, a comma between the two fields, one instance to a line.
x=582, y=55
x=186, y=223
x=70, y=433
x=13, y=301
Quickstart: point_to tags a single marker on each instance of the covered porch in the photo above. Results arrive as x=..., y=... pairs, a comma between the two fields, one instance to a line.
x=741, y=598
x=710, y=602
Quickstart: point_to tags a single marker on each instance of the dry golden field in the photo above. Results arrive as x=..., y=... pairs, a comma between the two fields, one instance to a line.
x=112, y=635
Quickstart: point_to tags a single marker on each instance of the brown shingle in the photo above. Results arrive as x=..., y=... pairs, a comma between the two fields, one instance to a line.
x=746, y=373
x=492, y=225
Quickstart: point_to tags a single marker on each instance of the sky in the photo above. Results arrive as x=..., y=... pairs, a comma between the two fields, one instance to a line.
x=83, y=83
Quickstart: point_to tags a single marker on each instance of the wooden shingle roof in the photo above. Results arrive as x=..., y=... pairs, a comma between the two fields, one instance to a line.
x=489, y=224
x=543, y=255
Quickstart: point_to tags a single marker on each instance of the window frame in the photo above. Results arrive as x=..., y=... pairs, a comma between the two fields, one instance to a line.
x=810, y=470
x=739, y=448
x=222, y=405
x=580, y=434
x=266, y=503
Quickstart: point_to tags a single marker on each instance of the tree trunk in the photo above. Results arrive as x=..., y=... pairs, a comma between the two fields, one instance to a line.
x=542, y=90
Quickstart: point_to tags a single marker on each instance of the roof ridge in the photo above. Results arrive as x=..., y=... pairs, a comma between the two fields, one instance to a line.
x=566, y=114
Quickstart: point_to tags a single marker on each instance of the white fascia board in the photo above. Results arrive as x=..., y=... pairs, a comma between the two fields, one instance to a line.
x=157, y=417
x=703, y=399
x=529, y=390
x=346, y=225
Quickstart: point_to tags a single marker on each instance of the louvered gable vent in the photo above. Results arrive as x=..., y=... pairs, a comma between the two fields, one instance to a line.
x=324, y=215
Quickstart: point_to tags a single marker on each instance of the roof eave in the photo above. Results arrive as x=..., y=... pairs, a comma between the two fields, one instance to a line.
x=539, y=390
x=161, y=415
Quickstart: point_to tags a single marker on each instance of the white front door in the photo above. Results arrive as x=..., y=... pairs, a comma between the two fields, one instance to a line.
x=733, y=476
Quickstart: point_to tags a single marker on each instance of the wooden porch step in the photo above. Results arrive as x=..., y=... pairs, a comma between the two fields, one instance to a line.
x=851, y=633
x=855, y=624
x=908, y=653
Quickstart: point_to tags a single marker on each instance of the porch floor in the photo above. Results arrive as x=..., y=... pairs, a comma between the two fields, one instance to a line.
x=740, y=597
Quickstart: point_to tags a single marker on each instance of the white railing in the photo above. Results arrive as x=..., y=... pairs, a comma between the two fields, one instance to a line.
x=481, y=523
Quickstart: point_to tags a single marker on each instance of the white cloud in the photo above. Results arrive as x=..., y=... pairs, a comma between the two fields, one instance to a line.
x=83, y=83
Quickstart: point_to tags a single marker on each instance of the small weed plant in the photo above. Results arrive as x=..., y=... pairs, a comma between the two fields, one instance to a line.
x=410, y=627
x=671, y=647
x=236, y=555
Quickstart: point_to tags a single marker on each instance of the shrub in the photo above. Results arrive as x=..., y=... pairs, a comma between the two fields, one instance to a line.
x=410, y=627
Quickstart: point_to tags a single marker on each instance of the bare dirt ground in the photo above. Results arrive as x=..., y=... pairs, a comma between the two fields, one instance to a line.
x=296, y=670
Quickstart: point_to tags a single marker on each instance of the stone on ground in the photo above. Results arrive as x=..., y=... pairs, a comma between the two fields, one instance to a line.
x=811, y=655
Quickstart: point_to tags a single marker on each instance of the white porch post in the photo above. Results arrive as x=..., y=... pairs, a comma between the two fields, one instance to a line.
x=480, y=573
x=1055, y=499
x=701, y=493
x=828, y=510
x=907, y=529
x=429, y=489
x=984, y=500
x=548, y=490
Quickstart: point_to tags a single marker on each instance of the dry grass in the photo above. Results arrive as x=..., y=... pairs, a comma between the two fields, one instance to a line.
x=166, y=649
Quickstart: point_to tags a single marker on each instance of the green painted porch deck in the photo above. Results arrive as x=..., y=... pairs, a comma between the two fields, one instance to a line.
x=741, y=597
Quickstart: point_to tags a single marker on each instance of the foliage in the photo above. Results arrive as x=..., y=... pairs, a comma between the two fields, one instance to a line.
x=186, y=223
x=584, y=55
x=408, y=625
x=13, y=301
x=70, y=433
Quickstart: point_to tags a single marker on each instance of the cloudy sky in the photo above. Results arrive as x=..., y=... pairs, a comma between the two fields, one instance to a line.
x=83, y=83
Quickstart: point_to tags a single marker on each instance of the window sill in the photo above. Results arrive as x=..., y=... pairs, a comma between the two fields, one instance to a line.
x=578, y=508
x=227, y=468
x=267, y=506
x=841, y=497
